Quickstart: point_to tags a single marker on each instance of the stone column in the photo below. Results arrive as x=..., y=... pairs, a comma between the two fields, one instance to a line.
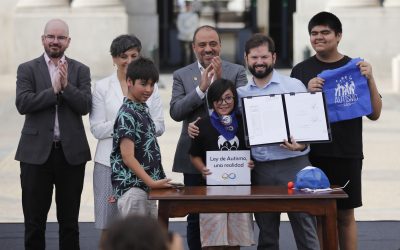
x=353, y=3
x=96, y=23
x=95, y=3
x=42, y=3
x=391, y=3
x=396, y=73
x=143, y=22
x=263, y=16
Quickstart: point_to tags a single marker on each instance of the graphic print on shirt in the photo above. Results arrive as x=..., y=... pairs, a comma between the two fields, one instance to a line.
x=224, y=144
x=345, y=91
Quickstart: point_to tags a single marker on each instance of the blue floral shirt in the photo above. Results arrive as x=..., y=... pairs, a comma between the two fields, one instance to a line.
x=134, y=122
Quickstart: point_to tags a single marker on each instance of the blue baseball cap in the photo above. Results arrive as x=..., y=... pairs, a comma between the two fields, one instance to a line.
x=311, y=177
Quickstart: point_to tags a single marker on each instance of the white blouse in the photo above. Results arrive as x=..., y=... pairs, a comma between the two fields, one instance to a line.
x=107, y=98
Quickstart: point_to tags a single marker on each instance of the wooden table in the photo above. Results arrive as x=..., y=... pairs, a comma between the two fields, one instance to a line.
x=245, y=199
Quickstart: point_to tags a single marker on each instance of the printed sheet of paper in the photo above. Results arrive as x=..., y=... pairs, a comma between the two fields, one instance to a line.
x=265, y=119
x=306, y=116
x=228, y=167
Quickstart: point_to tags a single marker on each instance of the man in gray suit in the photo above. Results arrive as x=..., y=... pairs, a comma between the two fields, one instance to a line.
x=188, y=103
x=53, y=92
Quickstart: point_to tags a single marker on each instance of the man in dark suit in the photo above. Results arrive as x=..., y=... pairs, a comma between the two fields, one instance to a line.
x=53, y=92
x=188, y=103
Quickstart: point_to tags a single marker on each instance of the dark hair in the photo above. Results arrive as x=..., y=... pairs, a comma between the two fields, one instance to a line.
x=136, y=233
x=218, y=88
x=143, y=69
x=257, y=40
x=208, y=27
x=325, y=18
x=123, y=43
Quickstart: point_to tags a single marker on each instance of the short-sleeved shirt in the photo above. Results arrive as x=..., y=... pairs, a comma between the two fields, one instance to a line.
x=278, y=84
x=134, y=123
x=346, y=135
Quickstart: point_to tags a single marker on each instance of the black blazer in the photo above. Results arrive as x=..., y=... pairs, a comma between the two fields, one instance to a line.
x=36, y=100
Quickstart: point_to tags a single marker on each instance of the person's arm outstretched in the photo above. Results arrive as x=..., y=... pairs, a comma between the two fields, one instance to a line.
x=127, y=148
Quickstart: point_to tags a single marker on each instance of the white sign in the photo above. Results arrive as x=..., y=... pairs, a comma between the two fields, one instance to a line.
x=228, y=167
x=229, y=191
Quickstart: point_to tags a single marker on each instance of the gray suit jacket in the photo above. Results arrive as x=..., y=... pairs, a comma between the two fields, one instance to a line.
x=36, y=100
x=186, y=106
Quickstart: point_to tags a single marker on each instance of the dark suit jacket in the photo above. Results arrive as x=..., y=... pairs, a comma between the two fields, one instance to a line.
x=186, y=106
x=36, y=100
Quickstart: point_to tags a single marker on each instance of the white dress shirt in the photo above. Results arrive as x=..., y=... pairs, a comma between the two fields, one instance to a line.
x=53, y=71
x=278, y=84
x=107, y=98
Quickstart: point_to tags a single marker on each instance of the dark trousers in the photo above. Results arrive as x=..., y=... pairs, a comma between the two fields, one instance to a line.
x=193, y=224
x=37, y=189
x=279, y=173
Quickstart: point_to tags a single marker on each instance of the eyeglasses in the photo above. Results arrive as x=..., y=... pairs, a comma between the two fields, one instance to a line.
x=51, y=38
x=228, y=100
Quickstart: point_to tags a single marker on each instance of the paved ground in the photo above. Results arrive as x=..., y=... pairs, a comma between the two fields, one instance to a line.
x=372, y=235
x=381, y=187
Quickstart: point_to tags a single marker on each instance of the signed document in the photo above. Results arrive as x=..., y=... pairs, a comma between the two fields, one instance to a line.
x=228, y=167
x=265, y=119
x=270, y=119
x=307, y=117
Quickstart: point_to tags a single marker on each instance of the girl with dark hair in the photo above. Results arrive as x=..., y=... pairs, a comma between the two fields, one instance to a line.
x=223, y=130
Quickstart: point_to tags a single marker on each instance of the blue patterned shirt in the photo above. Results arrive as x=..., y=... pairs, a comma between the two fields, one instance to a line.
x=133, y=122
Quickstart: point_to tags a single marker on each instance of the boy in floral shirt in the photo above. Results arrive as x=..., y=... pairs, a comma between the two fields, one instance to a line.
x=135, y=157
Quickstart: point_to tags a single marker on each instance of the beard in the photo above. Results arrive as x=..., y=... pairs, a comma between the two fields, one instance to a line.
x=261, y=74
x=54, y=53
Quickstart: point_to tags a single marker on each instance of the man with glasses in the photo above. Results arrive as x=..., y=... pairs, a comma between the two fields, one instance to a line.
x=188, y=103
x=53, y=92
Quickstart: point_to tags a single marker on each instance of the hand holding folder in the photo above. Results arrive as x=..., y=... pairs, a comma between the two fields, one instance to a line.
x=271, y=119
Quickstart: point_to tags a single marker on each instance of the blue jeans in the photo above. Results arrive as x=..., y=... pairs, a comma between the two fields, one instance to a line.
x=193, y=226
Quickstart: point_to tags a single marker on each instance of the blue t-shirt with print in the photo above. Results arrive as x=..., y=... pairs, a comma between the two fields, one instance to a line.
x=134, y=122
